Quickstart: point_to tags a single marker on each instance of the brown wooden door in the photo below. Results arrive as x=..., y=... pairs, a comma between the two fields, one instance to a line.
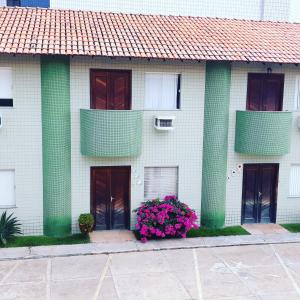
x=111, y=89
x=259, y=193
x=110, y=192
x=265, y=92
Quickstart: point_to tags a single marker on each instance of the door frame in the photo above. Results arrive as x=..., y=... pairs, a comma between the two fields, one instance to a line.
x=275, y=191
x=93, y=200
x=94, y=70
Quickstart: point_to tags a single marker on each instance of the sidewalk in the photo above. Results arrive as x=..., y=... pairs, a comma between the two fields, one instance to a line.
x=136, y=246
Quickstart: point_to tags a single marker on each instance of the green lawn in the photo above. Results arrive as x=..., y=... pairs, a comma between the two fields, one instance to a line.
x=206, y=232
x=28, y=241
x=292, y=227
x=226, y=231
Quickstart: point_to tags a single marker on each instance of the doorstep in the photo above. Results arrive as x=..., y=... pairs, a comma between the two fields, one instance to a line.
x=269, y=228
x=111, y=236
x=136, y=246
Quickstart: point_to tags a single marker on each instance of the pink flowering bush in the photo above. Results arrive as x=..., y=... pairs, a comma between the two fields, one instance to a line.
x=164, y=219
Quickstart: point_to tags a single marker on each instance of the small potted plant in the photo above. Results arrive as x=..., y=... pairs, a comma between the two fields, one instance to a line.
x=86, y=223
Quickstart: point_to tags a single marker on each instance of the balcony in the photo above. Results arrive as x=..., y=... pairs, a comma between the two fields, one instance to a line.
x=111, y=133
x=263, y=132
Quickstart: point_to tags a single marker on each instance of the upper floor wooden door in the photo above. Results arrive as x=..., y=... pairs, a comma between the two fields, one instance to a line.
x=111, y=89
x=265, y=92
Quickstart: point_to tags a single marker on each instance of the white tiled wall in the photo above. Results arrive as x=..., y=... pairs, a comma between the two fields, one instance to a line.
x=288, y=209
x=181, y=147
x=21, y=141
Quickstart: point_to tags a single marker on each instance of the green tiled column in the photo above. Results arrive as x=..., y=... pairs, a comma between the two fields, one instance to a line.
x=215, y=140
x=56, y=129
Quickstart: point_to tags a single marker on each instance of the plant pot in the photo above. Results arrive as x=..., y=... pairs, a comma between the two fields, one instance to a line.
x=85, y=229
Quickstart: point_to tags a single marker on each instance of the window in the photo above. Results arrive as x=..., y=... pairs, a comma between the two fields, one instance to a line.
x=160, y=182
x=297, y=93
x=13, y=3
x=7, y=188
x=162, y=91
x=6, y=98
x=295, y=181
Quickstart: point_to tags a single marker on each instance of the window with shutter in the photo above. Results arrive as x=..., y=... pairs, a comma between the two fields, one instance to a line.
x=297, y=93
x=162, y=91
x=6, y=98
x=7, y=188
x=160, y=182
x=295, y=181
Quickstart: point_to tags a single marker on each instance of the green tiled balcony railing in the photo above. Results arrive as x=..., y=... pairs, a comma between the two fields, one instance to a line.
x=263, y=132
x=111, y=133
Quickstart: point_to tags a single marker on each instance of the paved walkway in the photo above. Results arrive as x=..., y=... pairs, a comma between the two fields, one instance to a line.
x=261, y=272
x=136, y=246
x=264, y=228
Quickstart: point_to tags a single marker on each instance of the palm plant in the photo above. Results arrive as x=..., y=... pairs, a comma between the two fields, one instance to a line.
x=9, y=226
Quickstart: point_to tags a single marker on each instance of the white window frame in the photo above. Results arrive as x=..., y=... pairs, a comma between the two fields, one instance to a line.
x=177, y=101
x=162, y=167
x=290, y=182
x=8, y=92
x=13, y=203
x=297, y=93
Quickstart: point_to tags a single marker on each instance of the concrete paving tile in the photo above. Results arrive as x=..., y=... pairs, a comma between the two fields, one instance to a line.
x=217, y=285
x=28, y=291
x=187, y=278
x=281, y=296
x=235, y=298
x=83, y=289
x=14, y=253
x=206, y=258
x=62, y=250
x=250, y=256
x=108, y=291
x=123, y=247
x=178, y=259
x=150, y=286
x=266, y=280
x=28, y=271
x=5, y=267
x=289, y=253
x=137, y=262
x=89, y=266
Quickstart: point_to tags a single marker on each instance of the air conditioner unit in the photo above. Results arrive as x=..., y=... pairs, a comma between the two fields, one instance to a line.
x=164, y=123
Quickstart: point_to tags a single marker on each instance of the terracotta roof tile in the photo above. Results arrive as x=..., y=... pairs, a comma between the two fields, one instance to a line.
x=66, y=32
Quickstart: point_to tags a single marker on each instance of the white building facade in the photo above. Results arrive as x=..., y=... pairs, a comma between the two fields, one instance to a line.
x=175, y=156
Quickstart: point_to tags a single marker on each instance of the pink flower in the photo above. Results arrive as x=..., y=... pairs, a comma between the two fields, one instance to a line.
x=164, y=218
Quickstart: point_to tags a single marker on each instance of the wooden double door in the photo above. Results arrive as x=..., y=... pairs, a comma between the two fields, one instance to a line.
x=265, y=92
x=259, y=193
x=111, y=89
x=110, y=194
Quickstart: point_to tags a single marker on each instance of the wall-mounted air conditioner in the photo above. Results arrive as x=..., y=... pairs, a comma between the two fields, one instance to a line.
x=164, y=123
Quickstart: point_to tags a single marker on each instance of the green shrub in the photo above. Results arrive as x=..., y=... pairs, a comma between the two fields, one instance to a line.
x=9, y=227
x=86, y=223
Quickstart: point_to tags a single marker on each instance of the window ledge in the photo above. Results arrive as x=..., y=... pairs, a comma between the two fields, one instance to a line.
x=8, y=206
